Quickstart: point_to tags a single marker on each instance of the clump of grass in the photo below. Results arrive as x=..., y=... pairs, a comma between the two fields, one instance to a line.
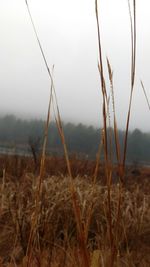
x=56, y=222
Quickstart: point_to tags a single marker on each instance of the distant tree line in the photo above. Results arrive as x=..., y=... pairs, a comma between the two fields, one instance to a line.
x=80, y=139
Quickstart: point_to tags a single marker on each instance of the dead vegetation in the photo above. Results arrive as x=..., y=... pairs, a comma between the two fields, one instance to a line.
x=74, y=217
x=56, y=230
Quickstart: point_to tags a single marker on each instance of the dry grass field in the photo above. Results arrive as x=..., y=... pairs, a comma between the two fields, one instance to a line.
x=74, y=213
x=55, y=234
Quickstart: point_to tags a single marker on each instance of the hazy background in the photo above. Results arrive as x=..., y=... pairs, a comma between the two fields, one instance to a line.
x=67, y=30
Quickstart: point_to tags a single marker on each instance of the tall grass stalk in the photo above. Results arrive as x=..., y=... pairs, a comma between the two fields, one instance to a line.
x=81, y=227
x=133, y=67
x=117, y=144
x=145, y=94
x=108, y=170
x=103, y=87
x=98, y=155
x=77, y=211
x=37, y=199
x=118, y=152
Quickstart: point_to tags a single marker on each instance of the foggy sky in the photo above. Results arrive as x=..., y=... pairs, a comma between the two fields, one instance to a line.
x=67, y=30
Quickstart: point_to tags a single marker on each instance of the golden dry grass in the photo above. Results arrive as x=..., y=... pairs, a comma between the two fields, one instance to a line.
x=56, y=231
x=60, y=220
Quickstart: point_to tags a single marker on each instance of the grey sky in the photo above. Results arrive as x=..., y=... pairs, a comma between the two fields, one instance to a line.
x=67, y=30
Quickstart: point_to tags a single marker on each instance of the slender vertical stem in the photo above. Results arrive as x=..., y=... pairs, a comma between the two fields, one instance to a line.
x=103, y=88
x=77, y=211
x=108, y=170
x=133, y=67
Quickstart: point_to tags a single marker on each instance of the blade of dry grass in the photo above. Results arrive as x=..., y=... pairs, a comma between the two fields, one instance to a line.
x=133, y=66
x=44, y=142
x=76, y=207
x=98, y=155
x=108, y=170
x=146, y=97
x=103, y=87
x=118, y=153
x=117, y=144
x=82, y=235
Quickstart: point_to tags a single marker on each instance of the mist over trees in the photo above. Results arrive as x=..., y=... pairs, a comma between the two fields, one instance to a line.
x=81, y=139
